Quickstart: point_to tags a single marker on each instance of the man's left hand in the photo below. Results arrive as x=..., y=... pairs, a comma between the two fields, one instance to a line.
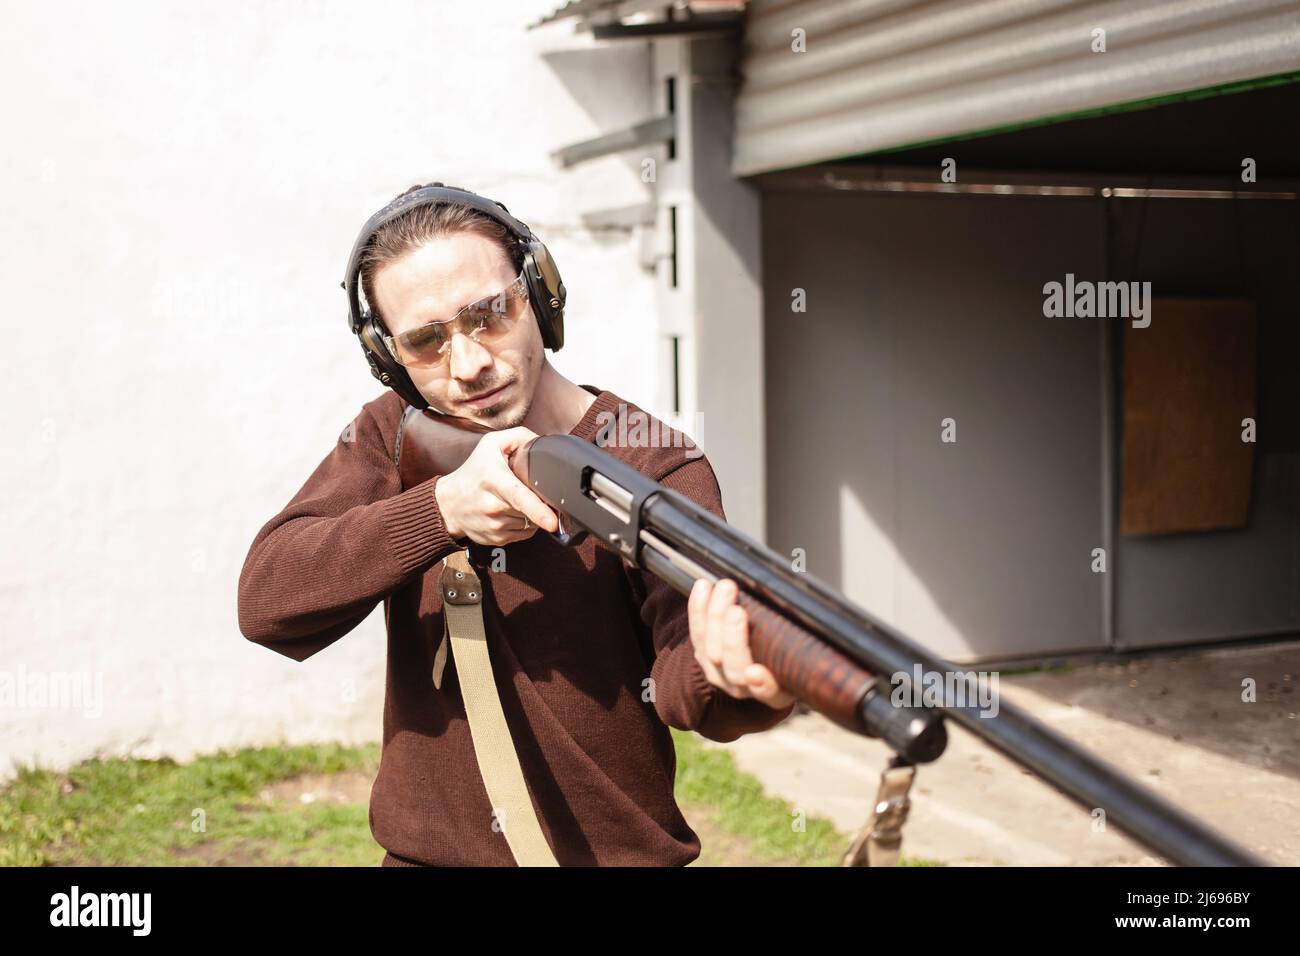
x=720, y=635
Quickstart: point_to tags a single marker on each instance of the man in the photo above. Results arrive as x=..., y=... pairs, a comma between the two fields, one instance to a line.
x=590, y=657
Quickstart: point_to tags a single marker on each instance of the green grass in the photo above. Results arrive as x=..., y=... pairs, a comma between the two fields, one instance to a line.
x=145, y=812
x=708, y=778
x=119, y=812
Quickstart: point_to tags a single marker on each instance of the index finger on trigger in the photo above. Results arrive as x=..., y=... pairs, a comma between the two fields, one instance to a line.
x=522, y=498
x=518, y=462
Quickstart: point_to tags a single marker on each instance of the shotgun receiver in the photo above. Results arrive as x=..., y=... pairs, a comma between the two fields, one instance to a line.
x=820, y=647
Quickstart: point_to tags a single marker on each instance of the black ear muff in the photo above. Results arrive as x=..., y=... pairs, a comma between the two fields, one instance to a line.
x=384, y=366
x=546, y=291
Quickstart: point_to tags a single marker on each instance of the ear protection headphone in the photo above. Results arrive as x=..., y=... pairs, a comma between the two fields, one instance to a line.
x=545, y=288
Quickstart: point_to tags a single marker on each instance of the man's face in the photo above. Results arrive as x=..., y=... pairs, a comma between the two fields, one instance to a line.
x=431, y=284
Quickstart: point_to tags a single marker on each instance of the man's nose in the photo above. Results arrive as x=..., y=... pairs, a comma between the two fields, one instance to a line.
x=468, y=358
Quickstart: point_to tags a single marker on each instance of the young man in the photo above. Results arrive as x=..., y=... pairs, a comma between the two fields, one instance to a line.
x=591, y=658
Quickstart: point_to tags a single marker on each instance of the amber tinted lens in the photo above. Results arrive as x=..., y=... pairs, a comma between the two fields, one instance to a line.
x=495, y=316
x=485, y=320
x=423, y=346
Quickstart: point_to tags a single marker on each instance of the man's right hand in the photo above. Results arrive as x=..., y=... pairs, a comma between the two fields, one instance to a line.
x=485, y=501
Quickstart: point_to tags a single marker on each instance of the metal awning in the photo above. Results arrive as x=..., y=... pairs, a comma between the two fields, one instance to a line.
x=643, y=16
x=639, y=20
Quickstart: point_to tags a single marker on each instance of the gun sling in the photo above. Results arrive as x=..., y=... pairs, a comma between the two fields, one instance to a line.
x=462, y=609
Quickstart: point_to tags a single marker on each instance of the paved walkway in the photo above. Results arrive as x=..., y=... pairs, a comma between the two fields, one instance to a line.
x=1176, y=722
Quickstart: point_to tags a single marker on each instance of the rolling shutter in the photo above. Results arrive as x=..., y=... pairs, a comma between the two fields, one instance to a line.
x=883, y=74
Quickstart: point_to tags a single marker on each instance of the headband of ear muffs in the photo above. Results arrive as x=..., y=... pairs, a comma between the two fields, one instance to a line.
x=545, y=288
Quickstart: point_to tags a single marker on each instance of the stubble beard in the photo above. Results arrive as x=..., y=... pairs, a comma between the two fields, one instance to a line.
x=499, y=417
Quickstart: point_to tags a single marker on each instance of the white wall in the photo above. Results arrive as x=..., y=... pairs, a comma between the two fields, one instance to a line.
x=182, y=184
x=720, y=264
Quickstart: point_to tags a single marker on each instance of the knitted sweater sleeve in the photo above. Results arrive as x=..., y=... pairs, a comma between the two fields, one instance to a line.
x=347, y=539
x=684, y=698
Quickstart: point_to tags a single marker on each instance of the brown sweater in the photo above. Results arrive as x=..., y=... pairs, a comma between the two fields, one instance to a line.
x=592, y=657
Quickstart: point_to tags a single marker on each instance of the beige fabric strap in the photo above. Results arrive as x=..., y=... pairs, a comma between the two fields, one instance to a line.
x=462, y=604
x=880, y=842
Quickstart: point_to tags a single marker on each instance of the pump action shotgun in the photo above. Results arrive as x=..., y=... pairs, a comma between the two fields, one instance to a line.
x=819, y=647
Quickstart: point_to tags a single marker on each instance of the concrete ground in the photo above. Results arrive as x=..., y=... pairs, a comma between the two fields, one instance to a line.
x=1176, y=722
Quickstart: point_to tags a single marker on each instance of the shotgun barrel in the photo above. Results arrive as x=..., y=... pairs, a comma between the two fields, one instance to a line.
x=820, y=646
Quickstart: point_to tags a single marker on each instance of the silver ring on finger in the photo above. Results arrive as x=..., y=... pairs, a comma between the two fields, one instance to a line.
x=527, y=524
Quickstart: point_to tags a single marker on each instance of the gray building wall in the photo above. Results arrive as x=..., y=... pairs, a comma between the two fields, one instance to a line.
x=926, y=308
x=921, y=309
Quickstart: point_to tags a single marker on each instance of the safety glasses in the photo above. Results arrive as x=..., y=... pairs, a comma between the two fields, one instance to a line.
x=485, y=321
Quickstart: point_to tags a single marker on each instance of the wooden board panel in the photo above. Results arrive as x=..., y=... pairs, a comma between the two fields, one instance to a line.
x=1189, y=380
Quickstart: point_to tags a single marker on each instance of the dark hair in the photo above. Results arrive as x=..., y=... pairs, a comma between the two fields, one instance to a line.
x=430, y=221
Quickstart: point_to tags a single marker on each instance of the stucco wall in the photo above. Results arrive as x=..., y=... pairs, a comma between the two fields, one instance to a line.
x=182, y=185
